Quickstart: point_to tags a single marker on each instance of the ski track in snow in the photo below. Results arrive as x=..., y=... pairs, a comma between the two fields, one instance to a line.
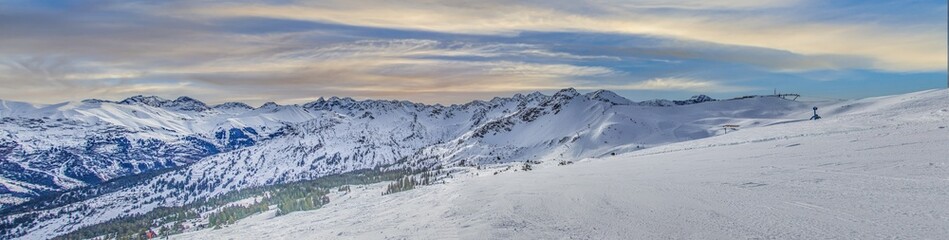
x=878, y=170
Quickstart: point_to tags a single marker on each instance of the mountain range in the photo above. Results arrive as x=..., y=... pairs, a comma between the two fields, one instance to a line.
x=57, y=161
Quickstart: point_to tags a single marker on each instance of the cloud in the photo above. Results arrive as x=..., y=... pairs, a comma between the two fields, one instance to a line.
x=769, y=59
x=414, y=69
x=444, y=51
x=679, y=83
x=898, y=47
x=702, y=4
x=399, y=68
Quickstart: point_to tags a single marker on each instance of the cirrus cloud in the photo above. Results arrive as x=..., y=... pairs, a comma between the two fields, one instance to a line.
x=889, y=47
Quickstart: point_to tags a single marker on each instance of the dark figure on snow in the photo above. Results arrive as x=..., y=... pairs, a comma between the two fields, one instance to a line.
x=815, y=117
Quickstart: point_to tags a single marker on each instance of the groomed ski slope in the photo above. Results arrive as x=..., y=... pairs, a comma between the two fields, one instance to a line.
x=871, y=169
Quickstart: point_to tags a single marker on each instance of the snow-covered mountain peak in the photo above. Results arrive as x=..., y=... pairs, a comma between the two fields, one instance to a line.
x=181, y=103
x=657, y=103
x=566, y=93
x=496, y=100
x=609, y=97
x=340, y=99
x=536, y=94
x=343, y=100
x=233, y=105
x=696, y=99
x=189, y=104
x=153, y=101
x=269, y=105
x=95, y=101
x=666, y=103
x=347, y=104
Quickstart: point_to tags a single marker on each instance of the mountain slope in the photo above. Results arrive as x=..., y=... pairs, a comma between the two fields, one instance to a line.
x=48, y=148
x=278, y=144
x=871, y=168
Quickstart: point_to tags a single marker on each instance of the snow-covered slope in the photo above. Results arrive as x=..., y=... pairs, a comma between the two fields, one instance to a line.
x=45, y=148
x=276, y=144
x=870, y=169
x=62, y=146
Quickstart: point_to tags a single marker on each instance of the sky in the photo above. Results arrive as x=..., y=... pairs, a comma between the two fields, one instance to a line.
x=448, y=52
